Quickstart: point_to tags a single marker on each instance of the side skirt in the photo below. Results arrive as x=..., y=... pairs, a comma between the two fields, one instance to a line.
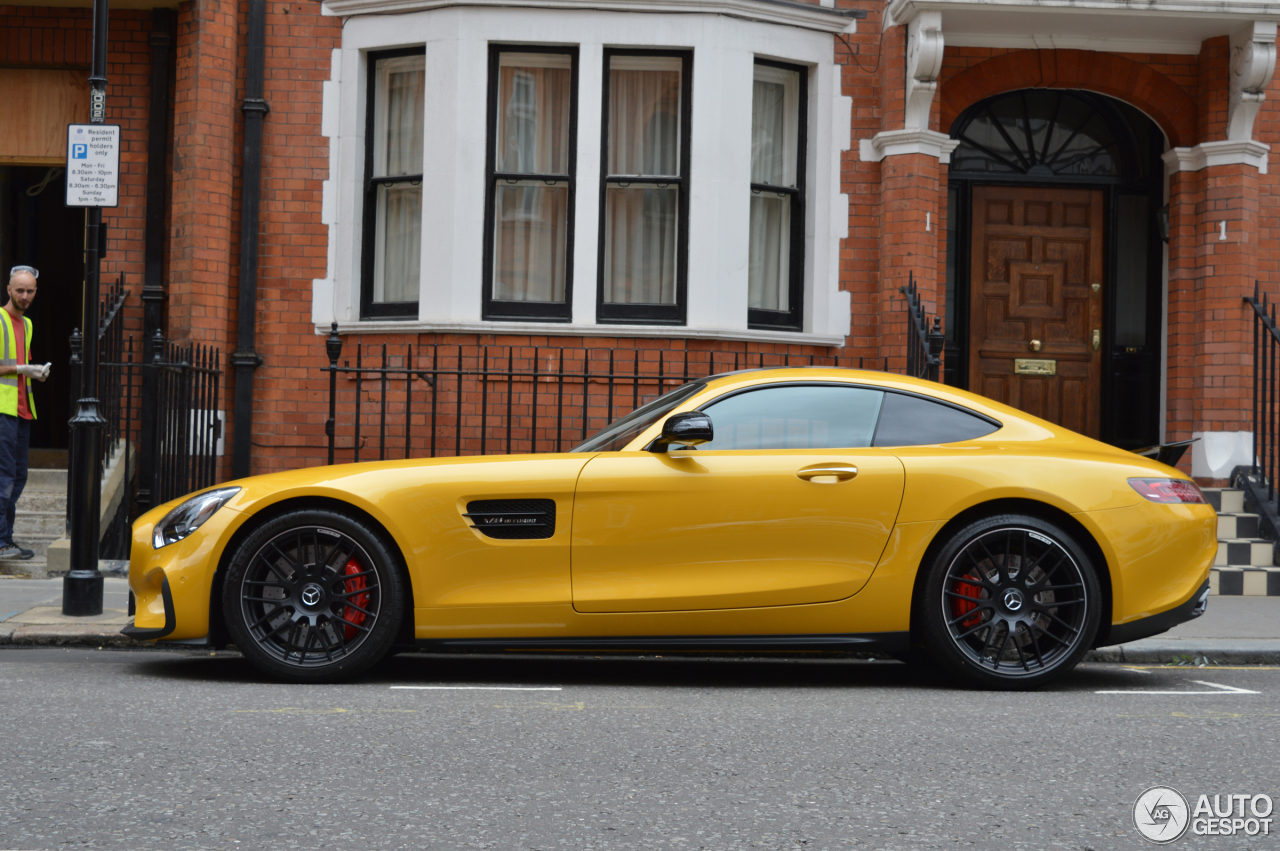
x=884, y=642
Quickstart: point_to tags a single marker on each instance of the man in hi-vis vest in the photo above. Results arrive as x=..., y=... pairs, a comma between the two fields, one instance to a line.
x=17, y=409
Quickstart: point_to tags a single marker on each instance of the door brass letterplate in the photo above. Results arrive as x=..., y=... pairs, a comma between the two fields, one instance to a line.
x=1034, y=366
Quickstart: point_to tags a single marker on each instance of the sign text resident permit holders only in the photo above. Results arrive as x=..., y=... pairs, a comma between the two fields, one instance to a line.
x=93, y=165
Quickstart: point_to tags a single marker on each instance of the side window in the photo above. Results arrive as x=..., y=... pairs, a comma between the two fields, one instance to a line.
x=392, y=246
x=531, y=162
x=816, y=416
x=913, y=421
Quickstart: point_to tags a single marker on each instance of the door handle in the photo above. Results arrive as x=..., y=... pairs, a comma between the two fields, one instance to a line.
x=1097, y=339
x=839, y=472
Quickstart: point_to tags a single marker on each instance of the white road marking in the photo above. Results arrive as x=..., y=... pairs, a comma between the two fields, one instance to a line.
x=1222, y=689
x=480, y=688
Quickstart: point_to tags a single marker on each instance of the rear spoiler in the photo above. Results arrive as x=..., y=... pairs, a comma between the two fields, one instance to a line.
x=1167, y=453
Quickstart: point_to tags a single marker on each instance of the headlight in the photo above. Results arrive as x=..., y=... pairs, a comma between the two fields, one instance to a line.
x=190, y=516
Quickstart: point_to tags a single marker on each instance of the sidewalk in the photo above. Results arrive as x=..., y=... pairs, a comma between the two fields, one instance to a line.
x=31, y=614
x=1234, y=630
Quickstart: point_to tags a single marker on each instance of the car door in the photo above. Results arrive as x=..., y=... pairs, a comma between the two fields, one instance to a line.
x=788, y=505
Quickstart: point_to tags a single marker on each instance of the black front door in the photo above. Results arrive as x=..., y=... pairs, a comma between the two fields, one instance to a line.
x=38, y=229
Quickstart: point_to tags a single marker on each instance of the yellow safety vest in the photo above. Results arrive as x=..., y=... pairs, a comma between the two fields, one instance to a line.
x=9, y=383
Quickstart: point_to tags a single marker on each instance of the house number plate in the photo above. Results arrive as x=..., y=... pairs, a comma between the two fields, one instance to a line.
x=1034, y=366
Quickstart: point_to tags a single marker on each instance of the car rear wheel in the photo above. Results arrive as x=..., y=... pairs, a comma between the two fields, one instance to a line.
x=1010, y=602
x=313, y=596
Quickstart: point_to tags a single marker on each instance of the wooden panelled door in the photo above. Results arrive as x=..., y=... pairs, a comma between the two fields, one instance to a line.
x=1035, y=308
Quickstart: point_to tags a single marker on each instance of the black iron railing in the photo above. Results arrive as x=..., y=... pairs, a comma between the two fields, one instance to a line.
x=924, y=344
x=426, y=401
x=188, y=422
x=116, y=392
x=1259, y=480
x=173, y=439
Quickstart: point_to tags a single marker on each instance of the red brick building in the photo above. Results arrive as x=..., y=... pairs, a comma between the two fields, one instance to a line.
x=1085, y=184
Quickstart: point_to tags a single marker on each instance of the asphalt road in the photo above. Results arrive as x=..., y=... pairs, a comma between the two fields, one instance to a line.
x=169, y=750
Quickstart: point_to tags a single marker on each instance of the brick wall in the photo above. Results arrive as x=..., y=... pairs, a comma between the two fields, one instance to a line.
x=58, y=38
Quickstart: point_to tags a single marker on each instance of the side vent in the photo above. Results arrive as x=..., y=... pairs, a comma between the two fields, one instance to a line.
x=513, y=519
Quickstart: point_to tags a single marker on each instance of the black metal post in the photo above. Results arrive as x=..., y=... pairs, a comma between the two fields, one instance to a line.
x=245, y=358
x=332, y=347
x=82, y=586
x=936, y=339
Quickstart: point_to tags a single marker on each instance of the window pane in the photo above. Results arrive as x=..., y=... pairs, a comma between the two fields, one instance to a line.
x=530, y=243
x=622, y=431
x=640, y=244
x=797, y=417
x=1132, y=219
x=644, y=115
x=399, y=243
x=769, y=266
x=400, y=102
x=912, y=421
x=533, y=113
x=775, y=116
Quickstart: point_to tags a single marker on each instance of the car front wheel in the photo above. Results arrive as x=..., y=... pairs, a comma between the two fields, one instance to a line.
x=1010, y=602
x=313, y=596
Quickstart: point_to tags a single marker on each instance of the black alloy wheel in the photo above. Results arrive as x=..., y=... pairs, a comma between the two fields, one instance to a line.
x=313, y=596
x=1010, y=602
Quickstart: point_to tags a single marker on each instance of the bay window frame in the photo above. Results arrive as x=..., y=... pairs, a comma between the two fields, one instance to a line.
x=791, y=319
x=369, y=309
x=648, y=314
x=502, y=310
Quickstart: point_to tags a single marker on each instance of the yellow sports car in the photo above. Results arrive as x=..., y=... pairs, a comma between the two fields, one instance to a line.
x=775, y=509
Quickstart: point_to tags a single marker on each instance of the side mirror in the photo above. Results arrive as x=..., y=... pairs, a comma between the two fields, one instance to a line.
x=688, y=429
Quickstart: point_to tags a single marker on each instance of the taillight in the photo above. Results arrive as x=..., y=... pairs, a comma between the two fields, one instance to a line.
x=1169, y=490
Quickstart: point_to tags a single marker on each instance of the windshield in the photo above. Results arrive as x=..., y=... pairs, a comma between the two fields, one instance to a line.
x=621, y=432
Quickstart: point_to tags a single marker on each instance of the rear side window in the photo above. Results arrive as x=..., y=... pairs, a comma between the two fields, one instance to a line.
x=913, y=421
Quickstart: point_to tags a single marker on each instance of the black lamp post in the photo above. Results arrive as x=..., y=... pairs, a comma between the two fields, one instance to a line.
x=82, y=586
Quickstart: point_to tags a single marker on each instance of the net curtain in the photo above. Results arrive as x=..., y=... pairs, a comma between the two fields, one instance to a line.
x=773, y=162
x=401, y=104
x=641, y=219
x=530, y=242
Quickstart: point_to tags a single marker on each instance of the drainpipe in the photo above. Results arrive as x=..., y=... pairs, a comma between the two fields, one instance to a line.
x=153, y=294
x=245, y=359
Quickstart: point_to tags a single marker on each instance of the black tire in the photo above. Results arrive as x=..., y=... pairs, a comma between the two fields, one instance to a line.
x=1010, y=602
x=314, y=596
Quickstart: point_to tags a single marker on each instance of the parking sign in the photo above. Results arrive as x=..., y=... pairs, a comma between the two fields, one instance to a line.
x=93, y=165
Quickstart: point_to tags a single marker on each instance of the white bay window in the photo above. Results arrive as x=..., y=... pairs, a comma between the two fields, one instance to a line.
x=711, y=207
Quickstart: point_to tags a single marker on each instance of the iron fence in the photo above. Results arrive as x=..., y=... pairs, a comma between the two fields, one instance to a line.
x=172, y=439
x=1259, y=480
x=924, y=344
x=439, y=400
x=187, y=421
x=115, y=404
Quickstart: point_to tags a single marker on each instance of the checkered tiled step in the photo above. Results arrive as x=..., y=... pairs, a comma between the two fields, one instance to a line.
x=1245, y=552
x=1245, y=564
x=1225, y=500
x=1237, y=526
x=1245, y=581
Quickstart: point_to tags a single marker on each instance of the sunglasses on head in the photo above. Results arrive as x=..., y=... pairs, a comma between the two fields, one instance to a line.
x=30, y=270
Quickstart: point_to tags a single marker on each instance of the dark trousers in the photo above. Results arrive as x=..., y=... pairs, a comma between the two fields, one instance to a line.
x=15, y=436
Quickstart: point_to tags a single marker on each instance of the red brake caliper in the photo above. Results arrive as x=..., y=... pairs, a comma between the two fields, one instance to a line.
x=961, y=607
x=353, y=616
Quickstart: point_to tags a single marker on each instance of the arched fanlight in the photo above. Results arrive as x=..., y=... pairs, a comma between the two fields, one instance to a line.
x=1041, y=133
